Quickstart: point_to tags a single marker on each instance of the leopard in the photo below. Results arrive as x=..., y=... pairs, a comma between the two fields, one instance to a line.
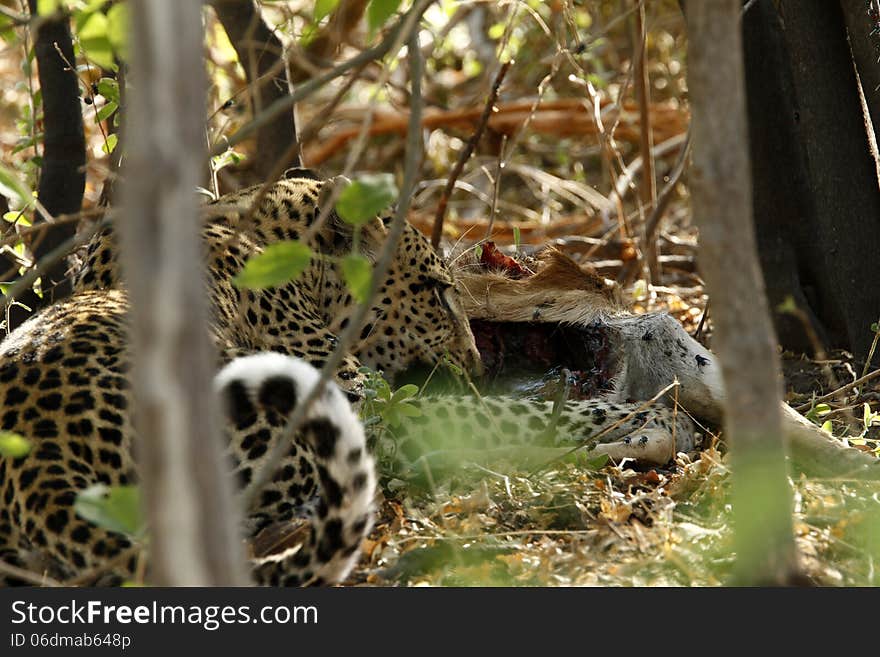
x=64, y=385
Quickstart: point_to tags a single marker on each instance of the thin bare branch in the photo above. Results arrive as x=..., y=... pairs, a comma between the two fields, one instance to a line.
x=836, y=393
x=404, y=26
x=465, y=154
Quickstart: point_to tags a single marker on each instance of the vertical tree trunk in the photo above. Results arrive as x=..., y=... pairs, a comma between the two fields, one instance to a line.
x=260, y=52
x=784, y=208
x=722, y=202
x=188, y=491
x=62, y=174
x=842, y=172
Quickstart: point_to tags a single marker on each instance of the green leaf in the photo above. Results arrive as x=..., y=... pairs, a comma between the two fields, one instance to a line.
x=869, y=417
x=363, y=199
x=13, y=189
x=109, y=145
x=788, y=306
x=107, y=110
x=14, y=446
x=226, y=158
x=308, y=34
x=451, y=366
x=405, y=392
x=358, y=273
x=817, y=411
x=516, y=237
x=116, y=508
x=109, y=88
x=380, y=11
x=94, y=39
x=391, y=416
x=323, y=8
x=496, y=31
x=279, y=263
x=46, y=7
x=16, y=217
x=117, y=28
x=478, y=252
x=828, y=428
x=408, y=410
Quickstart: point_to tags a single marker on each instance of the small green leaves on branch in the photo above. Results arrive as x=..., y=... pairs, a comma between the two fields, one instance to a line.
x=278, y=264
x=817, y=412
x=101, y=28
x=109, y=88
x=117, y=29
x=363, y=199
x=229, y=157
x=110, y=143
x=389, y=407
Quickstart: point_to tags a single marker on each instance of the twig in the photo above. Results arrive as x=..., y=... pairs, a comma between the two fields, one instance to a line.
x=496, y=189
x=819, y=352
x=840, y=390
x=642, y=90
x=404, y=26
x=465, y=154
x=24, y=231
x=15, y=18
x=68, y=246
x=87, y=87
x=652, y=223
x=872, y=349
x=699, y=332
x=629, y=171
x=383, y=263
x=311, y=129
x=558, y=406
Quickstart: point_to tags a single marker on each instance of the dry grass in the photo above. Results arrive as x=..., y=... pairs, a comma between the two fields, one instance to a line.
x=612, y=527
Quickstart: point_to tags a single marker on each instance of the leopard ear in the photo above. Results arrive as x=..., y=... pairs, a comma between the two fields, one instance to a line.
x=301, y=172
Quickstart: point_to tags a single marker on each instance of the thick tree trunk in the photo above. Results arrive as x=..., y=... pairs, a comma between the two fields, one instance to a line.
x=193, y=521
x=817, y=201
x=62, y=174
x=260, y=53
x=782, y=188
x=722, y=202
